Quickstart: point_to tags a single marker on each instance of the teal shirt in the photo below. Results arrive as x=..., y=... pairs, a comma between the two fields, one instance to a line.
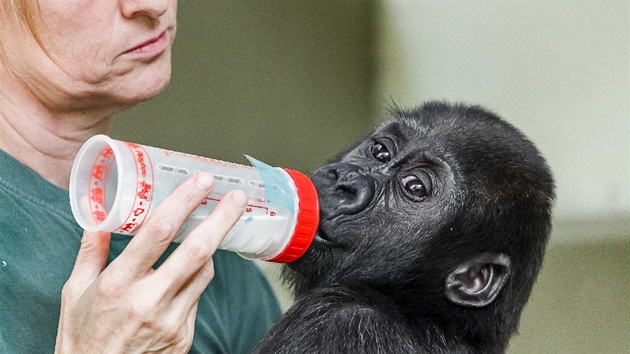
x=39, y=242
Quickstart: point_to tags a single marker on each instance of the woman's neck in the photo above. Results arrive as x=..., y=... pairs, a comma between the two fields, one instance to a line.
x=41, y=138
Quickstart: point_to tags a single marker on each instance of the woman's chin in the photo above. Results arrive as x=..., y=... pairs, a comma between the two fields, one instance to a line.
x=141, y=81
x=143, y=88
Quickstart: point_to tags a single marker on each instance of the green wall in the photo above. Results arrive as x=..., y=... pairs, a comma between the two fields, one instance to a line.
x=581, y=302
x=288, y=82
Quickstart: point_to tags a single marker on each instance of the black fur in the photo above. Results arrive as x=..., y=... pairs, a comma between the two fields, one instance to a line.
x=382, y=275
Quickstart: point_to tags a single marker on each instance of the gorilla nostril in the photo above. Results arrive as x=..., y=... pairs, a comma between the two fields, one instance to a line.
x=347, y=189
x=354, y=197
x=333, y=174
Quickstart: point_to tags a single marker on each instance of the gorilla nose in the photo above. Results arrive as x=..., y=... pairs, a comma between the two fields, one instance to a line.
x=343, y=189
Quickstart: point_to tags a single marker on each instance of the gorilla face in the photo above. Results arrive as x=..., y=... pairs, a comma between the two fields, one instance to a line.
x=391, y=192
x=384, y=178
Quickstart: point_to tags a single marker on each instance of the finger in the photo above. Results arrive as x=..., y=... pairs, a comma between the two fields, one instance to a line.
x=161, y=226
x=91, y=259
x=197, y=249
x=187, y=299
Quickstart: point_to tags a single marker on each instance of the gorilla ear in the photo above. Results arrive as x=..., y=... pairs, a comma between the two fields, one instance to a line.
x=477, y=282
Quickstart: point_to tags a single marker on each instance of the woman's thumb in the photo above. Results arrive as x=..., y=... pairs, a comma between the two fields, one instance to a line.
x=91, y=259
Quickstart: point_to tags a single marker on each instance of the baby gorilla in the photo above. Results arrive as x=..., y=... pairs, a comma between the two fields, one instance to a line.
x=432, y=233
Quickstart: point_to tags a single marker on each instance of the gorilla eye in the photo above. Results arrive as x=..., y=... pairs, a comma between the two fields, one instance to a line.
x=380, y=152
x=414, y=187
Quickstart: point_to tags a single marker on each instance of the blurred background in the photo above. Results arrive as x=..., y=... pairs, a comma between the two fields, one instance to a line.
x=293, y=83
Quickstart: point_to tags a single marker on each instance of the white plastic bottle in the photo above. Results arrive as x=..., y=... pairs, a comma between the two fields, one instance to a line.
x=114, y=186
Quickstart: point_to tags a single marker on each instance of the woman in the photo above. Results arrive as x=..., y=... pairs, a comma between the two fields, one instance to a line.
x=66, y=67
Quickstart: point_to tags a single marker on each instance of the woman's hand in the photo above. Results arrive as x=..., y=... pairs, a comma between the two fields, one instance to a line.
x=130, y=307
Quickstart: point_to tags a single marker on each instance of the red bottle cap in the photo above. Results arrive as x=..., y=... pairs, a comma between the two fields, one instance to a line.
x=307, y=219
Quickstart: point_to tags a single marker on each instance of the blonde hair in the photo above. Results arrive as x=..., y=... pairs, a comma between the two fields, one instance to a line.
x=20, y=9
x=24, y=12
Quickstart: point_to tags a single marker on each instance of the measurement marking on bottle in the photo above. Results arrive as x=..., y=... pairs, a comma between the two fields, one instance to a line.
x=172, y=169
x=248, y=208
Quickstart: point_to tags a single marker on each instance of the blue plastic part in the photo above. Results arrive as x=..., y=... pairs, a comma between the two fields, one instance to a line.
x=277, y=188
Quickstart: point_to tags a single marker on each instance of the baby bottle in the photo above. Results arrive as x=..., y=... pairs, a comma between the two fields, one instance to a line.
x=115, y=185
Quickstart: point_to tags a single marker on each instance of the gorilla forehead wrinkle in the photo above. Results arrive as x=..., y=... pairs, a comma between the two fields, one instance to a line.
x=433, y=231
x=478, y=145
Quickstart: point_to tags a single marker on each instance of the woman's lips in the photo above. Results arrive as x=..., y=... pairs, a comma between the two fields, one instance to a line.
x=151, y=47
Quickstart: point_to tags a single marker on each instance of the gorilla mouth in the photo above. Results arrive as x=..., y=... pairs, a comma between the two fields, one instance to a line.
x=322, y=238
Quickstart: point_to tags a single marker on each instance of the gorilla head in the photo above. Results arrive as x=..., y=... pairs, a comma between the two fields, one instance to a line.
x=436, y=224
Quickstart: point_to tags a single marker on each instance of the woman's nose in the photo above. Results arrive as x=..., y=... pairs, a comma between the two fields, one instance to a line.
x=151, y=8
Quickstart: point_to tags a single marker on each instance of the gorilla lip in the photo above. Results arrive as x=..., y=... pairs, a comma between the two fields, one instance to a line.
x=322, y=238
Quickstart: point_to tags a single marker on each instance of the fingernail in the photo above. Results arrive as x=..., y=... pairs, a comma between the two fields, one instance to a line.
x=204, y=180
x=239, y=197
